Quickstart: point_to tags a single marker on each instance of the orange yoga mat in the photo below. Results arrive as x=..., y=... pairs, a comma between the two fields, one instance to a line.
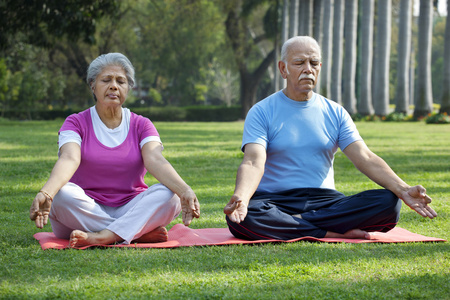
x=182, y=236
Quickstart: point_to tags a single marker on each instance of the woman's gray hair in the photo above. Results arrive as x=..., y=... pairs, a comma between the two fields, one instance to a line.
x=110, y=59
x=298, y=39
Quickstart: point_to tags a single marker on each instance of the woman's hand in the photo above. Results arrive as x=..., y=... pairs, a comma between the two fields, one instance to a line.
x=40, y=209
x=190, y=207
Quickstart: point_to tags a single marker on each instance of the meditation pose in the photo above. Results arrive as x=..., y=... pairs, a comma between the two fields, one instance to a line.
x=96, y=192
x=285, y=184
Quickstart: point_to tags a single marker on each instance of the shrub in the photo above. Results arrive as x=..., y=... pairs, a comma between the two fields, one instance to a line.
x=442, y=118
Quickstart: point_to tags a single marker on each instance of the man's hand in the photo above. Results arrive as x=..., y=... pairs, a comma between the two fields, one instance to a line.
x=417, y=199
x=190, y=207
x=40, y=209
x=236, y=210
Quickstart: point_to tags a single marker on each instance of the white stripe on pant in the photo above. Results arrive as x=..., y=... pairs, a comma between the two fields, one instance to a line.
x=73, y=209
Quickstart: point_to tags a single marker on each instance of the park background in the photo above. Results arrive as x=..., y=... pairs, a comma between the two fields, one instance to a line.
x=212, y=60
x=199, y=60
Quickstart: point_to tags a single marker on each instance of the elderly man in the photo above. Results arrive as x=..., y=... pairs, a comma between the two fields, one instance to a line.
x=285, y=183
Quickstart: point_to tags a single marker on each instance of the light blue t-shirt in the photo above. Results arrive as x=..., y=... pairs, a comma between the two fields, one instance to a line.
x=301, y=139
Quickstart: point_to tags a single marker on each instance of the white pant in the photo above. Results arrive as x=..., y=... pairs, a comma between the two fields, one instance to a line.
x=73, y=209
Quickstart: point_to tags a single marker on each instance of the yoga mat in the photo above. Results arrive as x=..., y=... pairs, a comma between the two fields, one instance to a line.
x=182, y=236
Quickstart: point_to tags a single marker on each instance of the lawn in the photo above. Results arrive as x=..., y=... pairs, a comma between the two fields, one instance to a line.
x=207, y=155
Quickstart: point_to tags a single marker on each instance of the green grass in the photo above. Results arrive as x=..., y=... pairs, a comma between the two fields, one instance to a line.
x=207, y=156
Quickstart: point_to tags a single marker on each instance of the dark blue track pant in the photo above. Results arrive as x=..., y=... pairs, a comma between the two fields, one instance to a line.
x=270, y=216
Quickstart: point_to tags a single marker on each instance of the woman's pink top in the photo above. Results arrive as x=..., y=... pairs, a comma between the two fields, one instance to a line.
x=111, y=176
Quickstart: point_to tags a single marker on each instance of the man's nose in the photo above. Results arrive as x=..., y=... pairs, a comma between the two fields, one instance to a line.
x=308, y=68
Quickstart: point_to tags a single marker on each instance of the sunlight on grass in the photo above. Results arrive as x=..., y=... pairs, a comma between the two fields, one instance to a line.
x=207, y=155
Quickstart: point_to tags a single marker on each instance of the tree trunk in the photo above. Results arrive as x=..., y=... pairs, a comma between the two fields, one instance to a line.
x=383, y=46
x=445, y=99
x=338, y=37
x=327, y=47
x=293, y=17
x=351, y=14
x=424, y=96
x=365, y=98
x=241, y=43
x=284, y=37
x=404, y=55
x=318, y=30
x=306, y=14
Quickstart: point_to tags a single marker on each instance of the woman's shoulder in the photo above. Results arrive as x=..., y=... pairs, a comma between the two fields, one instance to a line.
x=78, y=119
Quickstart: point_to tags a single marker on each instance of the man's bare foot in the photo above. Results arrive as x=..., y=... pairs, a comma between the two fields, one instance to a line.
x=351, y=234
x=80, y=238
x=157, y=235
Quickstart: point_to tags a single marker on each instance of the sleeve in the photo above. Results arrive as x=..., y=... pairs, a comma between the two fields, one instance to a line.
x=348, y=133
x=73, y=123
x=147, y=132
x=68, y=136
x=256, y=128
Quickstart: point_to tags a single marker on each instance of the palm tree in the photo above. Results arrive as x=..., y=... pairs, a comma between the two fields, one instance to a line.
x=351, y=20
x=445, y=99
x=403, y=58
x=325, y=74
x=284, y=38
x=424, y=95
x=293, y=17
x=365, y=98
x=383, y=46
x=306, y=17
x=338, y=37
x=318, y=30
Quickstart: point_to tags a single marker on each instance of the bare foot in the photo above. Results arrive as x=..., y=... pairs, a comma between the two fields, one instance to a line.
x=351, y=234
x=80, y=238
x=157, y=235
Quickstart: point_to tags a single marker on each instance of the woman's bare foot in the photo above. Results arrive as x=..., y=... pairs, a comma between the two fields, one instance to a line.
x=157, y=235
x=80, y=238
x=351, y=234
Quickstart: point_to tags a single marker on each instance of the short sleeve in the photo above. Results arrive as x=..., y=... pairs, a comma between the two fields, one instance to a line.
x=72, y=123
x=256, y=128
x=146, y=130
x=348, y=132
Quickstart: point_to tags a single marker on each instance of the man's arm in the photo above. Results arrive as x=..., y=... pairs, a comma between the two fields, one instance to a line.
x=248, y=176
x=379, y=171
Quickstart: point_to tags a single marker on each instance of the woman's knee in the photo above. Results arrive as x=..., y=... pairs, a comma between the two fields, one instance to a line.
x=165, y=196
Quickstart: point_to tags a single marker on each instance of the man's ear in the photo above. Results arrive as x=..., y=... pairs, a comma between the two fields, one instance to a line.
x=282, y=68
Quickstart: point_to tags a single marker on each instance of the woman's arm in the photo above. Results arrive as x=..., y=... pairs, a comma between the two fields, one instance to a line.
x=65, y=167
x=162, y=170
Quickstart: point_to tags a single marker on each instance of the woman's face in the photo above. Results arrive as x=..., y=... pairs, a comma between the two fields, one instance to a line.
x=111, y=86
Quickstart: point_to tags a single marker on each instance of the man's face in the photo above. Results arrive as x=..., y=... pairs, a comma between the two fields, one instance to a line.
x=301, y=70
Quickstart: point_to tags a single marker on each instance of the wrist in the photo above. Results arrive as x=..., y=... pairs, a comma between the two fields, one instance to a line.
x=46, y=195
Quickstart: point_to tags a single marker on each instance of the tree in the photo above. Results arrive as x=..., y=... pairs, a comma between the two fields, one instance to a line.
x=445, y=98
x=365, y=106
x=383, y=46
x=318, y=29
x=237, y=28
x=44, y=22
x=293, y=16
x=327, y=45
x=404, y=55
x=338, y=37
x=351, y=14
x=305, y=24
x=424, y=95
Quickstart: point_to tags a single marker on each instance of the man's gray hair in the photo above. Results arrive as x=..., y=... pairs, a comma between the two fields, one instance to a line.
x=298, y=39
x=110, y=59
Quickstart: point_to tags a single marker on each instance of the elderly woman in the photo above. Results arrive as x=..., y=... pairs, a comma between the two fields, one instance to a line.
x=96, y=192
